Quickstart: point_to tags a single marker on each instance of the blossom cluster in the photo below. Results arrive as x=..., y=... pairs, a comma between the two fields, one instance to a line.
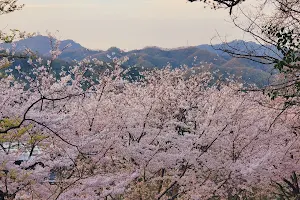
x=173, y=130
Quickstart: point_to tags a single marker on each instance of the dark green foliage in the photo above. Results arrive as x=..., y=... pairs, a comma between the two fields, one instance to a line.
x=288, y=44
x=289, y=189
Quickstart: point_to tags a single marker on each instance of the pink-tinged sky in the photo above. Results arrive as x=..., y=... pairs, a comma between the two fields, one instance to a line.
x=127, y=24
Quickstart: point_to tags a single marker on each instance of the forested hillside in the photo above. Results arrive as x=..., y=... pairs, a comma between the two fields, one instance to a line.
x=151, y=57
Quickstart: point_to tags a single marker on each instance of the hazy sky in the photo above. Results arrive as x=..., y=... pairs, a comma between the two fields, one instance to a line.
x=127, y=24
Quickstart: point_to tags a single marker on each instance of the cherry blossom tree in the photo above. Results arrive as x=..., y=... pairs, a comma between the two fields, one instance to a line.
x=175, y=133
x=8, y=6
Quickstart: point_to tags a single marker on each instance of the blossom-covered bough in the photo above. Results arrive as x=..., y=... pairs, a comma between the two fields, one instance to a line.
x=172, y=134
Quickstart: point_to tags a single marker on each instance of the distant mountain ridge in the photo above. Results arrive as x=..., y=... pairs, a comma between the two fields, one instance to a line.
x=41, y=44
x=149, y=57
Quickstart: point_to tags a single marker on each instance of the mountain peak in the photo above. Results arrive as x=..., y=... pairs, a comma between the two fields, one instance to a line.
x=41, y=44
x=115, y=50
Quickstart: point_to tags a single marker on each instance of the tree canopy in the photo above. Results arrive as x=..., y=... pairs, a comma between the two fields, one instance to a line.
x=172, y=134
